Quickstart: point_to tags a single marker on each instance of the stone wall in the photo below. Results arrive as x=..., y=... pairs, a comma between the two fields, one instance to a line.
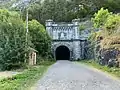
x=67, y=34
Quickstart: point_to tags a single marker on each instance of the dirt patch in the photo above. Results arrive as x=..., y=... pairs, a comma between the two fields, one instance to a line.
x=6, y=74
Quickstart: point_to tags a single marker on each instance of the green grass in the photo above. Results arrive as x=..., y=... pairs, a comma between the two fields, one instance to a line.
x=113, y=71
x=25, y=80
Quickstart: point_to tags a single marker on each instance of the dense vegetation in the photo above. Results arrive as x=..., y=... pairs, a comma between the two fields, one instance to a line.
x=14, y=47
x=66, y=10
x=60, y=10
x=40, y=38
x=106, y=42
x=13, y=44
x=12, y=39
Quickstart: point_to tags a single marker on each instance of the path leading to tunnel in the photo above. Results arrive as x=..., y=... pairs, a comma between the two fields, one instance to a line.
x=66, y=75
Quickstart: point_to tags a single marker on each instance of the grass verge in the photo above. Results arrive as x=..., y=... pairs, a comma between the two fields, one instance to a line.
x=25, y=80
x=113, y=71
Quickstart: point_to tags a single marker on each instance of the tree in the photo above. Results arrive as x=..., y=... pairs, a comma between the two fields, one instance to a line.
x=112, y=5
x=58, y=10
x=40, y=38
x=106, y=20
x=67, y=10
x=106, y=41
x=100, y=17
x=12, y=40
x=112, y=24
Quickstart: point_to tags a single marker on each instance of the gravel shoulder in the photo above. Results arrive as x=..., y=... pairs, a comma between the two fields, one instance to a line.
x=66, y=75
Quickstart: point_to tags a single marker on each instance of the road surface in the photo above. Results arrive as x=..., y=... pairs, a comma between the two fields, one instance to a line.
x=66, y=75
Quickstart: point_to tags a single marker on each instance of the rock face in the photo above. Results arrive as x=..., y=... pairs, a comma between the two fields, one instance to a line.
x=68, y=35
x=109, y=57
x=16, y=3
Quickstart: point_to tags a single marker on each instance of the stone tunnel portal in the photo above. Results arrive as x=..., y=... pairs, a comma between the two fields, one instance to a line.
x=62, y=53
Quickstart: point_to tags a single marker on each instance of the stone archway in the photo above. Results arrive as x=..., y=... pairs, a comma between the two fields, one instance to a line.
x=57, y=45
x=62, y=53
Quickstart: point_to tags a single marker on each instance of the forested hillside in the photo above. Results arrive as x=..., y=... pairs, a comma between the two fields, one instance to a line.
x=24, y=41
x=61, y=11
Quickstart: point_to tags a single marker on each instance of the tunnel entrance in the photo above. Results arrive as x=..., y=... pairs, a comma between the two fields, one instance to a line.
x=62, y=53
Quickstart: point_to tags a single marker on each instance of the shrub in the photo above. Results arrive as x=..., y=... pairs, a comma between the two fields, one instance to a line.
x=12, y=40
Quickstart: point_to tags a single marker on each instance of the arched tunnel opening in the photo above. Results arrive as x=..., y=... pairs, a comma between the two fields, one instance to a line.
x=62, y=53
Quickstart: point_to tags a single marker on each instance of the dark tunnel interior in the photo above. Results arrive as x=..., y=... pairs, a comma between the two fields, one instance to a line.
x=62, y=53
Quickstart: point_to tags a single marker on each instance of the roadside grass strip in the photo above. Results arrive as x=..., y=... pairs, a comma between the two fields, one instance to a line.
x=114, y=71
x=24, y=80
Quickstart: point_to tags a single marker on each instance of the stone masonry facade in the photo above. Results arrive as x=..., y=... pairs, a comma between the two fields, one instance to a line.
x=67, y=34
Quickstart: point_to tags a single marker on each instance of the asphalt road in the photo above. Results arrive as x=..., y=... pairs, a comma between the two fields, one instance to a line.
x=66, y=75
